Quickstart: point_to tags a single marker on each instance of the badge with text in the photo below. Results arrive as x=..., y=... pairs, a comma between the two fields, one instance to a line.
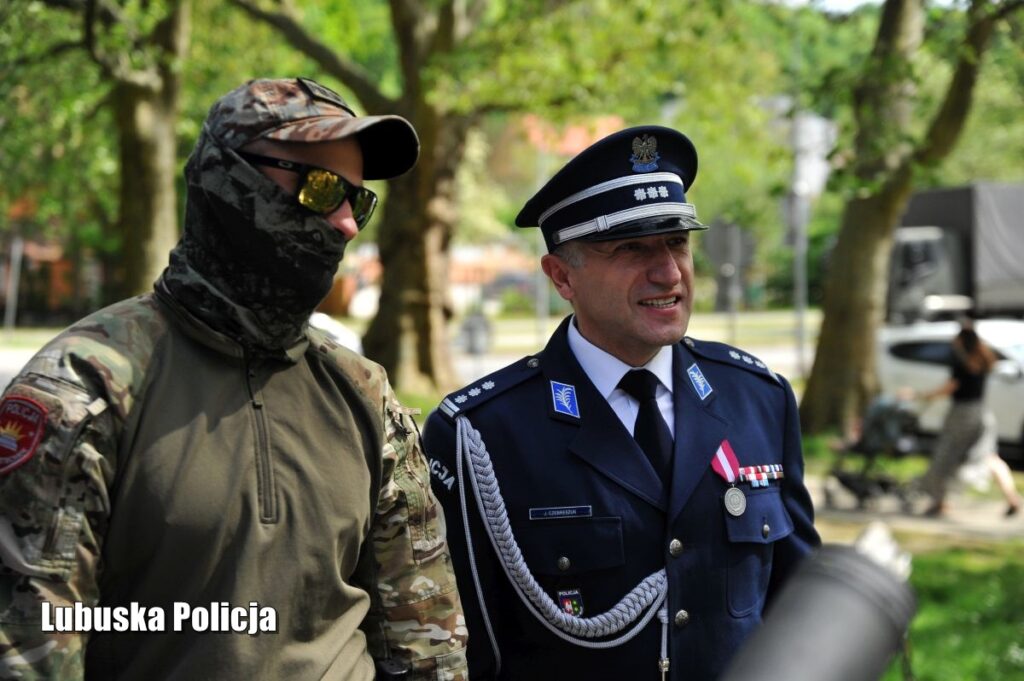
x=563, y=397
x=571, y=602
x=558, y=512
x=22, y=422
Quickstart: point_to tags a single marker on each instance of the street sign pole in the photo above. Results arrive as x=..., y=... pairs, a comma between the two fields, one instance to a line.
x=14, y=276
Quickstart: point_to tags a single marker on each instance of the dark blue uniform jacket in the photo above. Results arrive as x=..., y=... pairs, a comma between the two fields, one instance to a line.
x=593, y=518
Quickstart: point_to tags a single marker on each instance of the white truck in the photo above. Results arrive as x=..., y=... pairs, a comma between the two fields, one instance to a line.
x=959, y=249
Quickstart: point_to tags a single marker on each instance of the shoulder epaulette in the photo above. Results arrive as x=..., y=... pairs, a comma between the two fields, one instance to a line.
x=727, y=354
x=483, y=389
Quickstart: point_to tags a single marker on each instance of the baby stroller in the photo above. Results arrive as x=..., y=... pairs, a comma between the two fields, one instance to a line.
x=888, y=428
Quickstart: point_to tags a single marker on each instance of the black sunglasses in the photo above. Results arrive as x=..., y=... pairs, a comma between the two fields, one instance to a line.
x=322, y=191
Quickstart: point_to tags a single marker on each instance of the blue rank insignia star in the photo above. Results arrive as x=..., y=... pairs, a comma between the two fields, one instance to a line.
x=563, y=398
x=700, y=384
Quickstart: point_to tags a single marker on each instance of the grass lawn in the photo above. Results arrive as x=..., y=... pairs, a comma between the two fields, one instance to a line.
x=970, y=620
x=27, y=338
x=970, y=593
x=425, y=403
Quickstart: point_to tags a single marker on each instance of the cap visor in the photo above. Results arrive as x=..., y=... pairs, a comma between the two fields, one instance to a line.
x=390, y=145
x=642, y=228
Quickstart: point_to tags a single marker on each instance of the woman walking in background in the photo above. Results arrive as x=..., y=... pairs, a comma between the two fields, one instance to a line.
x=968, y=434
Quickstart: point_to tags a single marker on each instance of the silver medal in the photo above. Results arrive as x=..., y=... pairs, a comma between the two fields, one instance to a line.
x=735, y=501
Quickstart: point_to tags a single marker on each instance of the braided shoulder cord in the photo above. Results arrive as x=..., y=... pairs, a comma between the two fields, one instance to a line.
x=648, y=595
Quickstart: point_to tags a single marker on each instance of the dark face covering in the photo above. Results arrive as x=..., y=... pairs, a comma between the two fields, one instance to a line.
x=251, y=263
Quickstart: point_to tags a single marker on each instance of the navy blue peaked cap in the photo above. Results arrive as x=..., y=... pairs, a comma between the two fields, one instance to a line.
x=629, y=184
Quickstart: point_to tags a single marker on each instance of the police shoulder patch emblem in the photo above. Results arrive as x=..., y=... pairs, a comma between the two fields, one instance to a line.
x=571, y=602
x=22, y=422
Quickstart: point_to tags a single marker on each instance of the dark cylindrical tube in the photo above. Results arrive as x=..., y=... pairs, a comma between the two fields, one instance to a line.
x=841, y=617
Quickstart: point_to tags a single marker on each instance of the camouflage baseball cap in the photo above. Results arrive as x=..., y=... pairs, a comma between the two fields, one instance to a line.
x=302, y=110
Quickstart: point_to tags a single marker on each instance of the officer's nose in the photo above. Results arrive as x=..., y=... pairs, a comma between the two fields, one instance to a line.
x=663, y=268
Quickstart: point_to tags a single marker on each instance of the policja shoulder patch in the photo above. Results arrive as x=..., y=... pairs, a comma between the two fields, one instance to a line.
x=22, y=422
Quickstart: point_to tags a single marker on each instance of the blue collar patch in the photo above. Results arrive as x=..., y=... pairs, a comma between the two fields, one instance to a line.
x=700, y=384
x=563, y=398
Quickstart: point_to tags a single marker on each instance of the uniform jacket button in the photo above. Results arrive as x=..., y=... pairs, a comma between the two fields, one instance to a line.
x=766, y=530
x=675, y=548
x=563, y=563
x=682, y=618
x=533, y=362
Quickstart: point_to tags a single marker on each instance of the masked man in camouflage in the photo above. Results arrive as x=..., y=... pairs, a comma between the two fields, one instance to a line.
x=202, y=449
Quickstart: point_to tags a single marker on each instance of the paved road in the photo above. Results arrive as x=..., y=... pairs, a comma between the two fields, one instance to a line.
x=11, y=362
x=969, y=518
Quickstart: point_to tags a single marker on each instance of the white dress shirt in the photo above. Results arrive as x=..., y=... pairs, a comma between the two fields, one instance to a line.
x=605, y=371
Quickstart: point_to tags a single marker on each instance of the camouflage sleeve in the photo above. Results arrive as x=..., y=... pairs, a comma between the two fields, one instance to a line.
x=421, y=625
x=53, y=514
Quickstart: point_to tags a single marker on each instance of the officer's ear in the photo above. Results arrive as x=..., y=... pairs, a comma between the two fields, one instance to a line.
x=558, y=271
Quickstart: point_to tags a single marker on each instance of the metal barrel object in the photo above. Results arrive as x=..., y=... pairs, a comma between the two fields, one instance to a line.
x=840, y=617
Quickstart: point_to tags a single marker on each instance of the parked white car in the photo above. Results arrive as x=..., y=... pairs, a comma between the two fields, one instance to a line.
x=918, y=356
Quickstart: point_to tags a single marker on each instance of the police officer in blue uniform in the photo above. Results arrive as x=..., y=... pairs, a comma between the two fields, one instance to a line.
x=622, y=504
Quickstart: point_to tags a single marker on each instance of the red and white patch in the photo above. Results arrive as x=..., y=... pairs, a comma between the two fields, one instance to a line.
x=22, y=422
x=725, y=462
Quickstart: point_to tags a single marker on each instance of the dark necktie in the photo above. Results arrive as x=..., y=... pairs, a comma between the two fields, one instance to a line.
x=651, y=432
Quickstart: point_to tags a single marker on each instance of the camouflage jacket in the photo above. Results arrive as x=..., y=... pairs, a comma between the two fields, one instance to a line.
x=148, y=463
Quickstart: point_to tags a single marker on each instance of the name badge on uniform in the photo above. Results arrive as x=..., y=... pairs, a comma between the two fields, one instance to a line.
x=556, y=512
x=563, y=397
x=700, y=384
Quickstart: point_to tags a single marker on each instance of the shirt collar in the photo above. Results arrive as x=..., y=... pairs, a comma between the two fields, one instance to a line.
x=605, y=370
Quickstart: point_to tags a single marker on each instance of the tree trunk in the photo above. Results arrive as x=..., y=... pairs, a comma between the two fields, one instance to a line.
x=145, y=115
x=409, y=335
x=843, y=377
x=147, y=222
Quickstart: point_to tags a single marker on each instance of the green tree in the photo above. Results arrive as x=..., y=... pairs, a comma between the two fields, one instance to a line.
x=457, y=61
x=136, y=50
x=57, y=171
x=408, y=336
x=890, y=151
